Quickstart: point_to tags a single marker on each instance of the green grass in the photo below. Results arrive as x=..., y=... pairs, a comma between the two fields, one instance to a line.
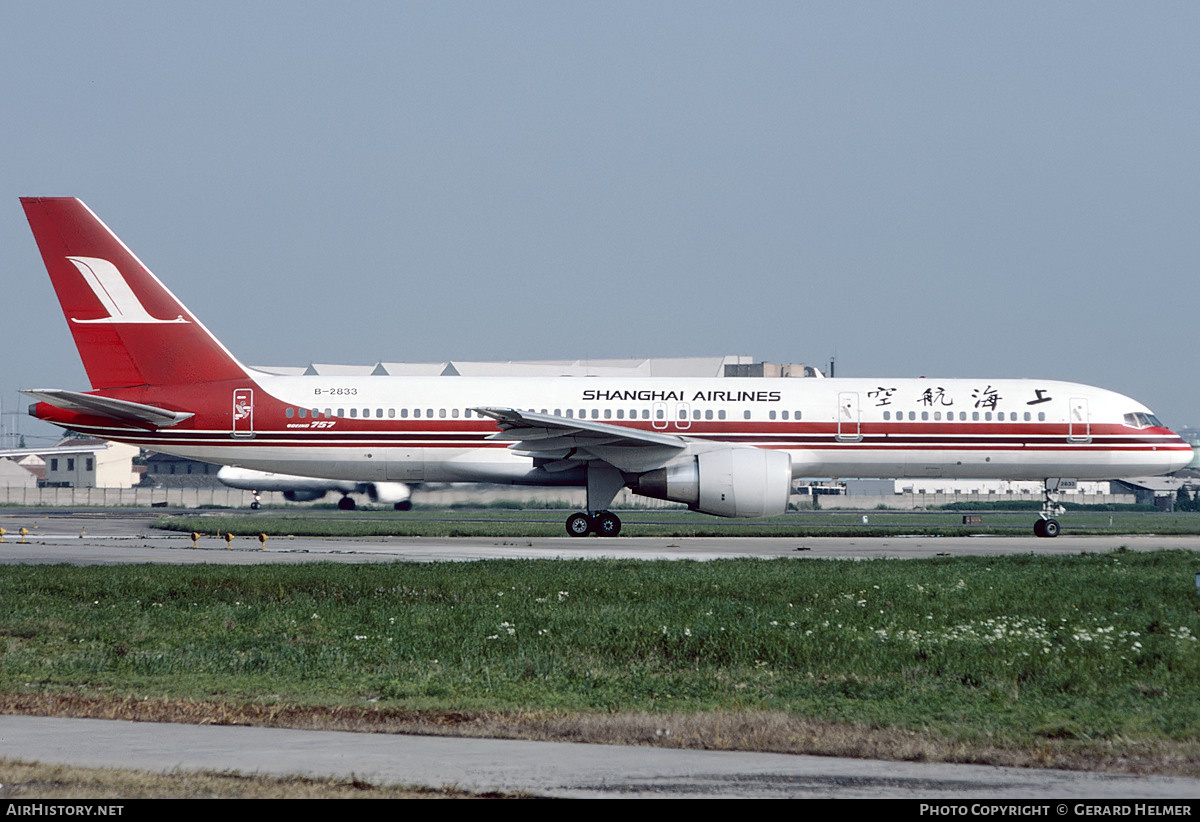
x=1089, y=647
x=492, y=522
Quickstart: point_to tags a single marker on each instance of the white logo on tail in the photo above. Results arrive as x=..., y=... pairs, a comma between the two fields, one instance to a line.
x=114, y=293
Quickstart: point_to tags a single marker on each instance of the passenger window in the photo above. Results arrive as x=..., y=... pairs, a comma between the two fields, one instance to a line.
x=289, y=412
x=887, y=415
x=745, y=415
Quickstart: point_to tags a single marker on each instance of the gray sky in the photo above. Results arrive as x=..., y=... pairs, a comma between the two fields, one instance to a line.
x=921, y=188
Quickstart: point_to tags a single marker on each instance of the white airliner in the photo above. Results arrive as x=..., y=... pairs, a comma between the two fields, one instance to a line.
x=307, y=489
x=728, y=446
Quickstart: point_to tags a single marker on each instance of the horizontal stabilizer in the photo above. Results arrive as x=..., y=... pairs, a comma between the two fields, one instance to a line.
x=120, y=410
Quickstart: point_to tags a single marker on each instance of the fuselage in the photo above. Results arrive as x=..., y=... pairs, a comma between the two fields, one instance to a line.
x=381, y=428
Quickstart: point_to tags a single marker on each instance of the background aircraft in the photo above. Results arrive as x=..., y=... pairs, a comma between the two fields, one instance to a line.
x=305, y=489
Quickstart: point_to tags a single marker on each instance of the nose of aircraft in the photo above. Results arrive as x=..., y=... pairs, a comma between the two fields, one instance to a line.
x=1176, y=453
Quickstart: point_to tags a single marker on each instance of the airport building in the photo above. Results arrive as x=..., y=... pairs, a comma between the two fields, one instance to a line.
x=727, y=366
x=71, y=463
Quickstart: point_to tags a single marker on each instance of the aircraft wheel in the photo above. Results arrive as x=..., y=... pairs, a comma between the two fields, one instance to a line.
x=404, y=505
x=1046, y=528
x=579, y=525
x=346, y=504
x=255, y=505
x=607, y=524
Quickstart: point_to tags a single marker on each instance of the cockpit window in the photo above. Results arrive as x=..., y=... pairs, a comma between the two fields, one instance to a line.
x=1140, y=420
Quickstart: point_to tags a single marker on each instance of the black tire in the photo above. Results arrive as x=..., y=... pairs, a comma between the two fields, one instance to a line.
x=346, y=504
x=404, y=505
x=1050, y=528
x=579, y=525
x=607, y=524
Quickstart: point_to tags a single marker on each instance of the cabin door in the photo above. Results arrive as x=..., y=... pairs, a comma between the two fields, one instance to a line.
x=1079, y=427
x=243, y=412
x=848, y=417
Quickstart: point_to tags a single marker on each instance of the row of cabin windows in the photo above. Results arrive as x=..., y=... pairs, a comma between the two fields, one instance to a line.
x=632, y=414
x=454, y=413
x=962, y=415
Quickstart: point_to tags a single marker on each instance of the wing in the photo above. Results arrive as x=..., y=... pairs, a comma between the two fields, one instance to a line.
x=565, y=443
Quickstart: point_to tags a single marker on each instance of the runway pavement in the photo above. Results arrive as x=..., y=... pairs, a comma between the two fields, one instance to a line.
x=118, y=538
x=548, y=768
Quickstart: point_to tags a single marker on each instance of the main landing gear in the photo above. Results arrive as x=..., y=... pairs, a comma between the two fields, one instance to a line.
x=602, y=524
x=346, y=504
x=603, y=483
x=1048, y=526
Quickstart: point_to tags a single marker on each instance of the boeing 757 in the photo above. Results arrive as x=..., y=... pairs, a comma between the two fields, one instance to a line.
x=727, y=446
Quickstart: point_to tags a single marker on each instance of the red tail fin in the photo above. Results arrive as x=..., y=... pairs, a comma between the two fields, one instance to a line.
x=129, y=329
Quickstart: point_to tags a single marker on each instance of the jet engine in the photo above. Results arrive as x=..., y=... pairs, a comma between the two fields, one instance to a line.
x=393, y=492
x=732, y=482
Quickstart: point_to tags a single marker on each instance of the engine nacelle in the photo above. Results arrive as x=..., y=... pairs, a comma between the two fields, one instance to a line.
x=733, y=482
x=392, y=492
x=302, y=495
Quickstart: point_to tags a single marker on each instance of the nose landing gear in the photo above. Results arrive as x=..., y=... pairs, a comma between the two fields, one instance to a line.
x=1048, y=526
